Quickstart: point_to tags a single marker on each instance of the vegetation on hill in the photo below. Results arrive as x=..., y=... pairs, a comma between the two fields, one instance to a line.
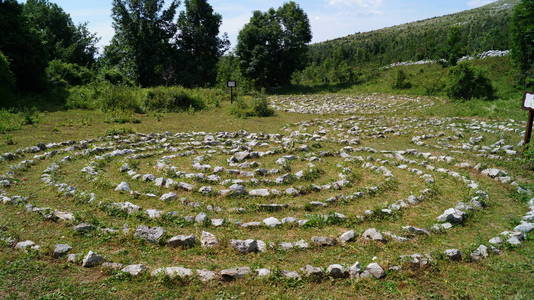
x=449, y=37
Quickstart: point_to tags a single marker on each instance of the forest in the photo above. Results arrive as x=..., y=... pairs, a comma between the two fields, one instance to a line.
x=174, y=57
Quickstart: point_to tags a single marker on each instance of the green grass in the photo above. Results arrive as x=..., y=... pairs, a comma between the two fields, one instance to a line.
x=40, y=277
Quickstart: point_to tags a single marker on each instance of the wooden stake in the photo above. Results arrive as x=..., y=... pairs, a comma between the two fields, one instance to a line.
x=528, y=133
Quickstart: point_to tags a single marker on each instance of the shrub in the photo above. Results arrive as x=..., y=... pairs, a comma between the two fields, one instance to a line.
x=69, y=74
x=401, y=81
x=248, y=106
x=466, y=82
x=172, y=99
x=528, y=157
x=114, y=76
x=10, y=121
x=120, y=98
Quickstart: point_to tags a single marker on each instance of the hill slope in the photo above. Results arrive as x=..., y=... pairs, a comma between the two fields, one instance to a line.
x=482, y=29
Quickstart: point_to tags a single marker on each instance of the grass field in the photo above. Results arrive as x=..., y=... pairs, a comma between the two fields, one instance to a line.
x=31, y=274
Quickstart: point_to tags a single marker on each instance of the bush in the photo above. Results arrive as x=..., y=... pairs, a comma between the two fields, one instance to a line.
x=120, y=98
x=84, y=97
x=248, y=106
x=60, y=72
x=115, y=77
x=528, y=157
x=173, y=99
x=466, y=82
x=401, y=81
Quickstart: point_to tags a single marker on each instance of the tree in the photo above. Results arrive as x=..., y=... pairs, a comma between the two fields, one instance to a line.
x=454, y=49
x=60, y=37
x=199, y=43
x=7, y=81
x=143, y=29
x=466, y=82
x=523, y=40
x=22, y=46
x=273, y=45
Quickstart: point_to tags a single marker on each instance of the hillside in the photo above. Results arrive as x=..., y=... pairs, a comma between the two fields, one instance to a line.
x=481, y=29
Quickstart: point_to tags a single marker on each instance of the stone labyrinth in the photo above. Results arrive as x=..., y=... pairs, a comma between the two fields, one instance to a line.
x=329, y=197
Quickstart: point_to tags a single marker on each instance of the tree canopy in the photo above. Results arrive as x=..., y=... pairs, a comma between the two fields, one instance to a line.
x=199, y=43
x=273, y=45
x=523, y=40
x=143, y=29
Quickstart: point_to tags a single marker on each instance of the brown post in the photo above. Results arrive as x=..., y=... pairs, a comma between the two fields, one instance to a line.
x=528, y=133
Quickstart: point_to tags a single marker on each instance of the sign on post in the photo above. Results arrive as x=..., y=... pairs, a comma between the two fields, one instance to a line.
x=231, y=84
x=528, y=104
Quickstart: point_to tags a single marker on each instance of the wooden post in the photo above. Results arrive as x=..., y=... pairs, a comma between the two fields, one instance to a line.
x=528, y=133
x=231, y=84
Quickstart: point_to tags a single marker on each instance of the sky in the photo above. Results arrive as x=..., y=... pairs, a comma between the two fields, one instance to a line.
x=329, y=19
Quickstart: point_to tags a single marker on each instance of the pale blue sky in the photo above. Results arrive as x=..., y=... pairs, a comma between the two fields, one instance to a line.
x=329, y=18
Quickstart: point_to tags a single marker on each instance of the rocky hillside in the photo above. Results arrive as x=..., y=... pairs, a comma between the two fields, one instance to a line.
x=484, y=28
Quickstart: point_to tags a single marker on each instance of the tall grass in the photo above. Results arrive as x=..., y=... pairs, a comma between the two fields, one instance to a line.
x=107, y=98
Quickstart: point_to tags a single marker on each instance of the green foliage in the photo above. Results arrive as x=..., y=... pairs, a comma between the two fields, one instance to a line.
x=61, y=39
x=448, y=37
x=141, y=44
x=401, y=81
x=528, y=156
x=466, y=82
x=10, y=121
x=172, y=99
x=119, y=98
x=7, y=81
x=121, y=101
x=523, y=41
x=68, y=74
x=21, y=44
x=273, y=45
x=249, y=106
x=454, y=49
x=199, y=43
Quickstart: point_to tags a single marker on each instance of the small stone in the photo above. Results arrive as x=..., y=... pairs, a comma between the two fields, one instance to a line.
x=373, y=234
x=135, y=270
x=245, y=246
x=524, y=227
x=149, y=234
x=123, y=187
x=201, y=218
x=290, y=274
x=311, y=271
x=84, y=227
x=24, y=244
x=272, y=222
x=206, y=275
x=184, y=241
x=347, y=236
x=61, y=250
x=374, y=270
x=173, y=272
x=495, y=241
x=234, y=273
x=322, y=241
x=336, y=271
x=92, y=260
x=168, y=197
x=263, y=272
x=260, y=193
x=480, y=253
x=112, y=266
x=208, y=240
x=355, y=270
x=453, y=254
